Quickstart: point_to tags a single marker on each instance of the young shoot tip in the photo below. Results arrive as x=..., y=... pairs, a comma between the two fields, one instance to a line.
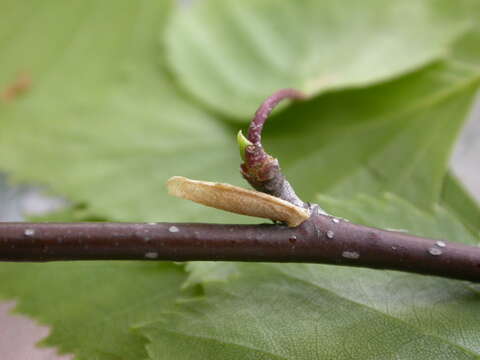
x=243, y=143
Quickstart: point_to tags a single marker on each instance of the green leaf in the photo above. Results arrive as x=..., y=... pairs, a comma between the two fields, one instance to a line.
x=233, y=54
x=465, y=48
x=459, y=201
x=92, y=306
x=292, y=311
x=102, y=123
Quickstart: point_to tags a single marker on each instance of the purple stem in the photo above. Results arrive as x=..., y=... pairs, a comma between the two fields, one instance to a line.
x=261, y=170
x=256, y=125
x=322, y=239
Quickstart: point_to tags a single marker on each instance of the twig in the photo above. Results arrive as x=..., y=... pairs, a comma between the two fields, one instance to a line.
x=256, y=125
x=320, y=239
x=261, y=170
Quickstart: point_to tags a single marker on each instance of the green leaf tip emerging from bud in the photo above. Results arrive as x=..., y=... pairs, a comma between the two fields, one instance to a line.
x=242, y=143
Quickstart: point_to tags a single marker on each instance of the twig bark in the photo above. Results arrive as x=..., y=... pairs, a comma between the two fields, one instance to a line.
x=320, y=239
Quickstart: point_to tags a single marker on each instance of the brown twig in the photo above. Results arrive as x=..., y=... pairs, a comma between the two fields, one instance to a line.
x=320, y=239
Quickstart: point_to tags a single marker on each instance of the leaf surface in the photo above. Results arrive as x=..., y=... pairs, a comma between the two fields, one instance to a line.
x=92, y=306
x=231, y=55
x=459, y=201
x=102, y=123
